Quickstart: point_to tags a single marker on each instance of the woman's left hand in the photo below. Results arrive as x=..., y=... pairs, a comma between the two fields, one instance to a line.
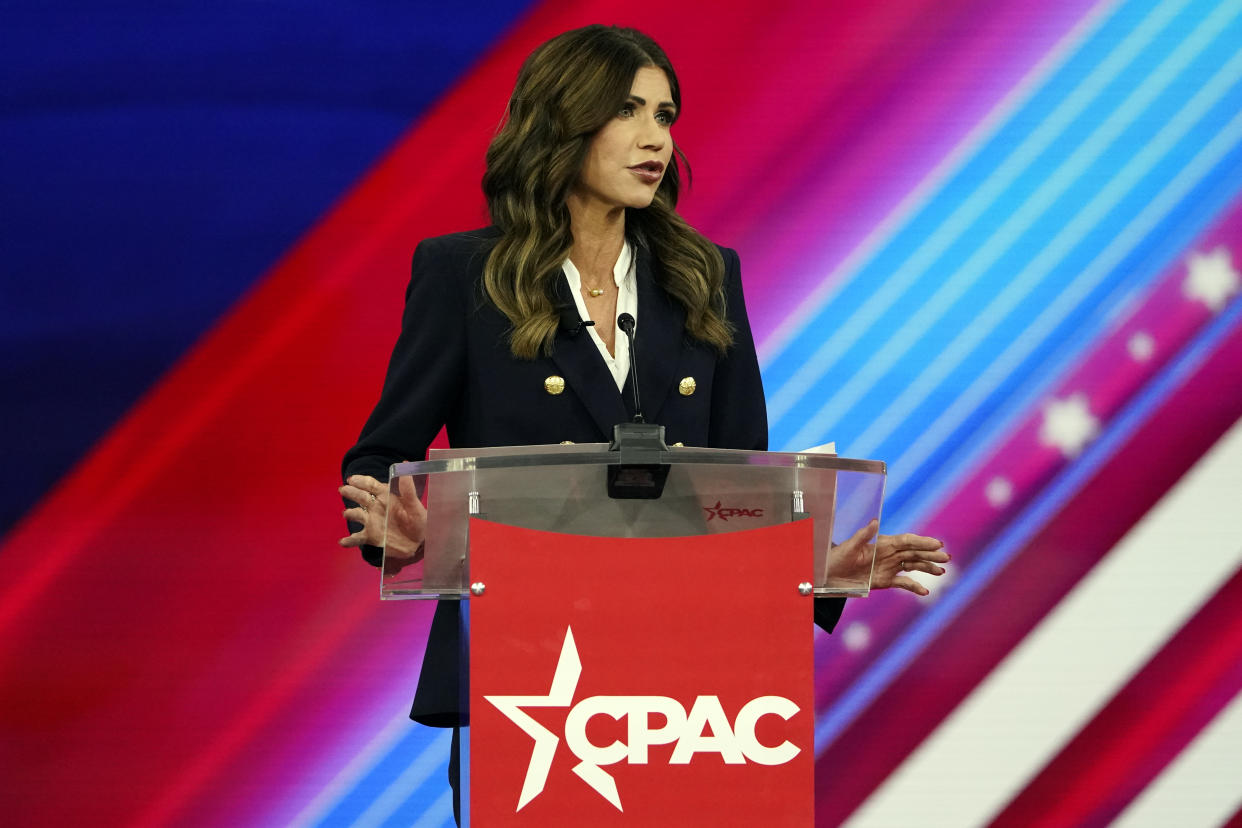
x=894, y=556
x=898, y=554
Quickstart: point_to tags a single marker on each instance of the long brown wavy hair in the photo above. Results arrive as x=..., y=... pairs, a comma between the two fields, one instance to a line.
x=567, y=90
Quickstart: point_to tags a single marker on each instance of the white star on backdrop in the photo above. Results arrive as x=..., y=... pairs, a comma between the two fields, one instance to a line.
x=1141, y=346
x=1068, y=424
x=1211, y=279
x=999, y=492
x=856, y=636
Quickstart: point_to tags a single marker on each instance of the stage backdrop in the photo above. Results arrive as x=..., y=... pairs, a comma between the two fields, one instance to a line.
x=994, y=243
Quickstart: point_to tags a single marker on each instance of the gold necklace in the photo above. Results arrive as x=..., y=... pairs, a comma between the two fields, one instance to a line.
x=595, y=291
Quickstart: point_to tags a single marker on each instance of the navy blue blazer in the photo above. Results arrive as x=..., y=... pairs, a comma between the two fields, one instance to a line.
x=451, y=367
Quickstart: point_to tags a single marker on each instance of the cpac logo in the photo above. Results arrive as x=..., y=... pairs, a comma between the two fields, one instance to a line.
x=726, y=512
x=735, y=743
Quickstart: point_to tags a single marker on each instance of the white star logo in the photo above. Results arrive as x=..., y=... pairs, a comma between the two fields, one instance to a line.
x=564, y=684
x=1068, y=425
x=1212, y=278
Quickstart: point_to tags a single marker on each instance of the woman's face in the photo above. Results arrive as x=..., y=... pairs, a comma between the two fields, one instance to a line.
x=628, y=156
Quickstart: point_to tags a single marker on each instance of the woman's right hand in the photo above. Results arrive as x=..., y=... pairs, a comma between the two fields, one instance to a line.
x=402, y=518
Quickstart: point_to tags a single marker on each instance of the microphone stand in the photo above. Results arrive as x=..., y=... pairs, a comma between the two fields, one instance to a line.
x=639, y=475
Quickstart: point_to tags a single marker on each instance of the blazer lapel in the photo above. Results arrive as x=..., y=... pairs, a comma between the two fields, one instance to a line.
x=659, y=337
x=586, y=375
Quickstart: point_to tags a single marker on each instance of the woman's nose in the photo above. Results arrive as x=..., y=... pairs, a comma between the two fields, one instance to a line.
x=653, y=135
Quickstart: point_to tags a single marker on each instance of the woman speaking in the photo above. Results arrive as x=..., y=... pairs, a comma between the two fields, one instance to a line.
x=509, y=335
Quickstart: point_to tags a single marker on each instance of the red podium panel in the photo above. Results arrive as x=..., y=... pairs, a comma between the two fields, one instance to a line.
x=641, y=682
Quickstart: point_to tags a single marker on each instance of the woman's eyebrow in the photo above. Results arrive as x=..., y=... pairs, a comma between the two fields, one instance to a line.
x=643, y=102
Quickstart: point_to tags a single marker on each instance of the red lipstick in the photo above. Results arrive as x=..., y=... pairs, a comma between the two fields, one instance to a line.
x=648, y=171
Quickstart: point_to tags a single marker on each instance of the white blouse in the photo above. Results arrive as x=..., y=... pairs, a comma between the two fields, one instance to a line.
x=627, y=302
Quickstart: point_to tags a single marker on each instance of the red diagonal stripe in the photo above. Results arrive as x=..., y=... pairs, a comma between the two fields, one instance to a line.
x=1145, y=725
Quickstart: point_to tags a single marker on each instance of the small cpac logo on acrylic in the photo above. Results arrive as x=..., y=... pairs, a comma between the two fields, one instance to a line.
x=726, y=512
x=736, y=743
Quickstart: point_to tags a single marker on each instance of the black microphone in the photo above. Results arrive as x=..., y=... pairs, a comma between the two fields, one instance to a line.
x=626, y=323
x=571, y=322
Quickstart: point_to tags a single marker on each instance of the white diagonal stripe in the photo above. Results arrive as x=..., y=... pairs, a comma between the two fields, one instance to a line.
x=439, y=814
x=969, y=399
x=1202, y=786
x=995, y=313
x=897, y=343
x=1082, y=653
x=348, y=777
x=982, y=132
x=983, y=197
x=399, y=790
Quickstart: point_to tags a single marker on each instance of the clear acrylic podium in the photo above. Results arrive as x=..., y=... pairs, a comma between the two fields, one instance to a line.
x=565, y=489
x=660, y=587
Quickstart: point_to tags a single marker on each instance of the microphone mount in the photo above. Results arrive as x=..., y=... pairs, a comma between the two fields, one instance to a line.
x=640, y=475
